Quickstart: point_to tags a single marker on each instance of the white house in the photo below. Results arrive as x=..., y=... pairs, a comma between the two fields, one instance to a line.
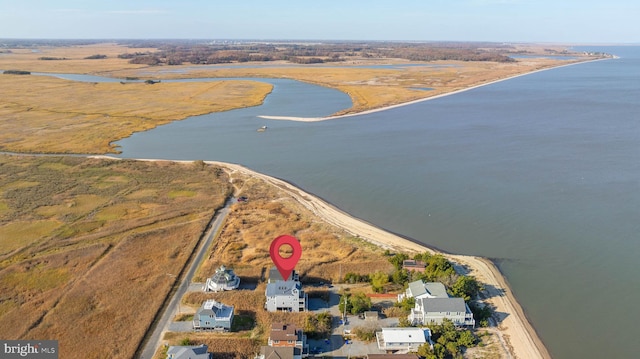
x=433, y=305
x=420, y=289
x=222, y=279
x=189, y=352
x=402, y=340
x=435, y=310
x=285, y=296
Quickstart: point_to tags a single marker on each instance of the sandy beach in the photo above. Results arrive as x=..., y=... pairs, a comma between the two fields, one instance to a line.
x=518, y=337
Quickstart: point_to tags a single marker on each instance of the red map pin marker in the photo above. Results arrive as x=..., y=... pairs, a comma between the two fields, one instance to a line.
x=285, y=265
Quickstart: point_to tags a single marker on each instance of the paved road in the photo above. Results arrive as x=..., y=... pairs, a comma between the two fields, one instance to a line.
x=155, y=339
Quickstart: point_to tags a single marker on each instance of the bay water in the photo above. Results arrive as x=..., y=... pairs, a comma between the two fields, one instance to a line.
x=540, y=173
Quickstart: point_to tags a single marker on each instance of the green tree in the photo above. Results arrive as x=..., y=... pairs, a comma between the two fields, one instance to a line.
x=465, y=287
x=360, y=303
x=378, y=281
x=403, y=322
x=397, y=260
x=466, y=339
x=406, y=304
x=400, y=276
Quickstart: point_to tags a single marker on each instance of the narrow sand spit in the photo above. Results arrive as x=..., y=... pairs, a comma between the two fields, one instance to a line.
x=316, y=119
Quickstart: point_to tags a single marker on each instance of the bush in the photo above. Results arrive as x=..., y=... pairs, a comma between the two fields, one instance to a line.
x=96, y=57
x=366, y=334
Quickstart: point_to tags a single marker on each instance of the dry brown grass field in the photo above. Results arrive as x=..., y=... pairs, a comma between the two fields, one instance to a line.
x=243, y=244
x=27, y=59
x=90, y=248
x=44, y=114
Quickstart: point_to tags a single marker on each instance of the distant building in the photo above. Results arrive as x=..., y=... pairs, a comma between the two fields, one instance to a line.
x=402, y=339
x=267, y=352
x=414, y=265
x=189, y=352
x=287, y=335
x=213, y=316
x=286, y=296
x=222, y=279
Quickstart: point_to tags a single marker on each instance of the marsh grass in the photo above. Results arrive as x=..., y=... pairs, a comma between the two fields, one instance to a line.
x=87, y=264
x=43, y=114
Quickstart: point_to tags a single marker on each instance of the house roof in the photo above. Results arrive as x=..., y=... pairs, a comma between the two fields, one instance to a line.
x=279, y=352
x=217, y=309
x=416, y=288
x=443, y=305
x=436, y=289
x=432, y=289
x=413, y=263
x=405, y=335
x=281, y=331
x=223, y=276
x=274, y=275
x=188, y=352
x=282, y=288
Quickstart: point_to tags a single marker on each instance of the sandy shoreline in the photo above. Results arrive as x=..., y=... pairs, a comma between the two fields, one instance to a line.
x=316, y=119
x=518, y=337
x=514, y=329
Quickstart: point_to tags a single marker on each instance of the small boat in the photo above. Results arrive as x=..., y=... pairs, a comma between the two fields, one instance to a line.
x=262, y=129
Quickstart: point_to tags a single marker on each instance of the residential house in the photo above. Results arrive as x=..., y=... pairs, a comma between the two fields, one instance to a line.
x=414, y=265
x=435, y=310
x=420, y=289
x=287, y=335
x=275, y=276
x=223, y=279
x=267, y=352
x=402, y=340
x=213, y=316
x=433, y=304
x=189, y=352
x=285, y=296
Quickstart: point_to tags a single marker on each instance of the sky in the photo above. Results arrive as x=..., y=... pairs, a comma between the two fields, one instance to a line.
x=555, y=21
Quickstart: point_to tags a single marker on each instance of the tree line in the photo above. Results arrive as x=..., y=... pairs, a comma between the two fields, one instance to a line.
x=213, y=53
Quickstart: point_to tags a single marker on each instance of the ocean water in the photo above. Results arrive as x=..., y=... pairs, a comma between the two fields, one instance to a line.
x=540, y=173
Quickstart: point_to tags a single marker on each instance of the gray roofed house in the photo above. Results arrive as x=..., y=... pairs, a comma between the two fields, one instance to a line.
x=223, y=279
x=213, y=316
x=420, y=289
x=435, y=310
x=189, y=352
x=285, y=296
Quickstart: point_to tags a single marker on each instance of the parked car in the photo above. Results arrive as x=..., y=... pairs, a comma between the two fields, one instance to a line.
x=242, y=199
